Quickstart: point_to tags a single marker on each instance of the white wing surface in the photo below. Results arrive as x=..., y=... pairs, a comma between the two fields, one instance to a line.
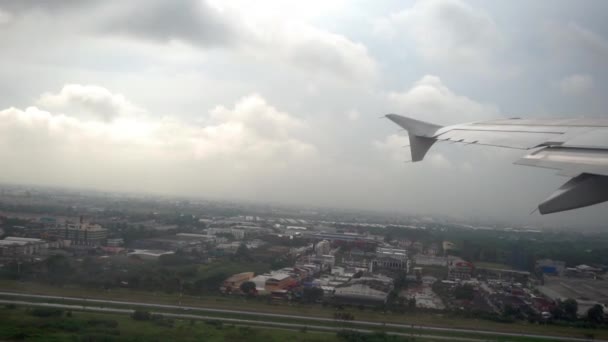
x=577, y=148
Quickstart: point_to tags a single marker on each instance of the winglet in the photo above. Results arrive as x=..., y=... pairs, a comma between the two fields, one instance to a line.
x=421, y=134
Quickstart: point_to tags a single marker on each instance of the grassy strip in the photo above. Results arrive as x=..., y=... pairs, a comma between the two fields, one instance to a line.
x=85, y=326
x=60, y=328
x=254, y=305
x=306, y=323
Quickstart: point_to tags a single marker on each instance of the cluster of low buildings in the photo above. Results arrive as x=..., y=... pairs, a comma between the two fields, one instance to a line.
x=362, y=282
x=40, y=236
x=13, y=246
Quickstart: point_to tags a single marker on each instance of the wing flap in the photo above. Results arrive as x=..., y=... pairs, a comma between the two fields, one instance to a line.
x=570, y=161
x=517, y=140
x=593, y=139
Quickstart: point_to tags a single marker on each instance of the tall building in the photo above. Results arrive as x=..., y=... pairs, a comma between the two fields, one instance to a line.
x=84, y=234
x=322, y=248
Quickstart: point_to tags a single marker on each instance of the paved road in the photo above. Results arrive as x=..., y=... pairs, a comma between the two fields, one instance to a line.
x=296, y=317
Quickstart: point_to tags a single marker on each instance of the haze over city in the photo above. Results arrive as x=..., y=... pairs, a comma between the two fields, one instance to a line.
x=278, y=101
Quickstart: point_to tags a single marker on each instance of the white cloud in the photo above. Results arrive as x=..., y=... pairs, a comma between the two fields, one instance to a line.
x=353, y=115
x=88, y=101
x=430, y=100
x=236, y=147
x=448, y=32
x=575, y=84
x=394, y=146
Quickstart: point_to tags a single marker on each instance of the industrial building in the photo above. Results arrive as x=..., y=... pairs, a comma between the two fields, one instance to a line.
x=260, y=283
x=367, y=290
x=549, y=266
x=116, y=242
x=387, y=258
x=146, y=254
x=170, y=243
x=341, y=237
x=279, y=282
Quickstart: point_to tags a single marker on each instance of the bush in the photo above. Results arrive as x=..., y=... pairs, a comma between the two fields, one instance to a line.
x=69, y=325
x=46, y=312
x=107, y=323
x=166, y=323
x=215, y=324
x=96, y=337
x=354, y=336
x=141, y=315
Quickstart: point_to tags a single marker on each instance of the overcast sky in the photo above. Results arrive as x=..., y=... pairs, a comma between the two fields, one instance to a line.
x=278, y=101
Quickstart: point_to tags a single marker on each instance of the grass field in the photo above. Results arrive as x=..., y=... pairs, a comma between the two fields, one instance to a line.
x=18, y=324
x=418, y=318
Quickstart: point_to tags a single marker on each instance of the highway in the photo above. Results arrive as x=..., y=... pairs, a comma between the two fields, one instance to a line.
x=258, y=315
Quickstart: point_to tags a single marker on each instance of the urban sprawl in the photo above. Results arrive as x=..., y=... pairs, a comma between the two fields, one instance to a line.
x=287, y=255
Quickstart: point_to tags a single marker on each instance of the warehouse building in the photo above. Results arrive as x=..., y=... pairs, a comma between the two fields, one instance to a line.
x=367, y=290
x=233, y=283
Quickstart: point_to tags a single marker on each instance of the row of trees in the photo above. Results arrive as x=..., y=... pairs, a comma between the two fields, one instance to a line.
x=567, y=311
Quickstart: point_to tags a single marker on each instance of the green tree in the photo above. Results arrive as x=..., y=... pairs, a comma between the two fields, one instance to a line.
x=465, y=292
x=570, y=307
x=59, y=268
x=596, y=314
x=248, y=288
x=312, y=294
x=141, y=315
x=242, y=253
x=557, y=312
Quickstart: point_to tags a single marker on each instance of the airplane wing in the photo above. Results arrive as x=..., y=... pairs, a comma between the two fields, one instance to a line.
x=577, y=148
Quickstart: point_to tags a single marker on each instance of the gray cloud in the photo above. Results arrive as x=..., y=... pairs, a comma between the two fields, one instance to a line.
x=42, y=5
x=193, y=21
x=449, y=32
x=575, y=84
x=573, y=40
